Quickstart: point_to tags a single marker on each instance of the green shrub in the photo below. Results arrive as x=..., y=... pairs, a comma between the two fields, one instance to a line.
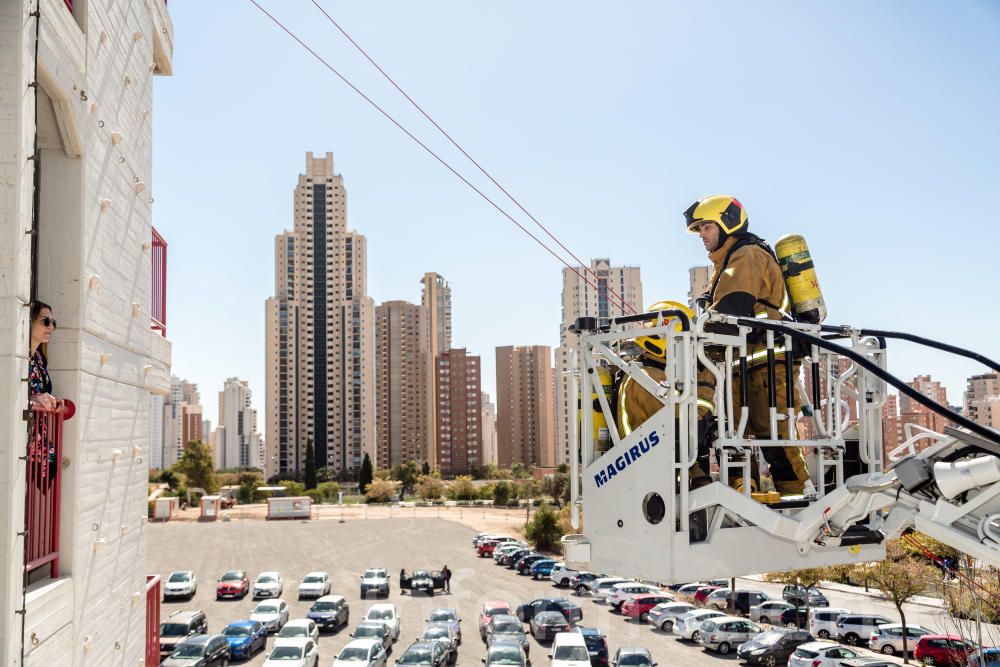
x=543, y=530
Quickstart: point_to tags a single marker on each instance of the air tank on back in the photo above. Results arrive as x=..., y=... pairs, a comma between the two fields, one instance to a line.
x=800, y=279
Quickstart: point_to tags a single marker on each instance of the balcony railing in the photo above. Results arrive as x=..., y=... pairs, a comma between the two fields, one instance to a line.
x=152, y=620
x=44, y=488
x=158, y=307
x=69, y=4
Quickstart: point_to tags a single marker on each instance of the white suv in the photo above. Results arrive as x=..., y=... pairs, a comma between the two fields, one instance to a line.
x=823, y=621
x=569, y=649
x=620, y=593
x=268, y=585
x=314, y=585
x=180, y=584
x=561, y=574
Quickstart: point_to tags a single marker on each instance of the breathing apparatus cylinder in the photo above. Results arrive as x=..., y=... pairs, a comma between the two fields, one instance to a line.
x=800, y=279
x=603, y=379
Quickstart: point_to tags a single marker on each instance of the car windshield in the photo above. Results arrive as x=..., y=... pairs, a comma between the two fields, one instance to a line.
x=555, y=618
x=507, y=628
x=365, y=631
x=286, y=653
x=293, y=631
x=493, y=611
x=236, y=631
x=232, y=576
x=442, y=615
x=266, y=609
x=353, y=653
x=593, y=642
x=373, y=573
x=421, y=574
x=380, y=614
x=634, y=659
x=323, y=606
x=416, y=657
x=504, y=655
x=435, y=633
x=173, y=629
x=179, y=577
x=188, y=651
x=313, y=579
x=768, y=637
x=571, y=653
x=266, y=579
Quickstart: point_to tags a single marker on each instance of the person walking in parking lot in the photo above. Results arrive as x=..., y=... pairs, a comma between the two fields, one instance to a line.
x=446, y=574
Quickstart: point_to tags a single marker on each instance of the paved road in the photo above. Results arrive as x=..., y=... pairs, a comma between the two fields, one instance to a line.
x=345, y=549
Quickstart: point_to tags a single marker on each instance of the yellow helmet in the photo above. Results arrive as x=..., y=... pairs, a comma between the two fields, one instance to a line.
x=655, y=346
x=723, y=210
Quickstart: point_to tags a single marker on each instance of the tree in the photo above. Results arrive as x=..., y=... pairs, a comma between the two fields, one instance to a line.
x=901, y=576
x=807, y=578
x=197, y=465
x=247, y=492
x=501, y=494
x=293, y=489
x=528, y=489
x=406, y=474
x=462, y=488
x=367, y=475
x=329, y=491
x=543, y=530
x=310, y=478
x=380, y=491
x=383, y=473
x=520, y=471
x=425, y=469
x=429, y=487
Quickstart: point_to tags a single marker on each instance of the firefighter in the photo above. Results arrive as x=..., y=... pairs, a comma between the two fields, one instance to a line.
x=747, y=282
x=636, y=405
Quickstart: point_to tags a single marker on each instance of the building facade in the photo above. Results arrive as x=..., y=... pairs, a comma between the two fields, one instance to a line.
x=489, y=423
x=900, y=411
x=181, y=408
x=436, y=299
x=240, y=444
x=525, y=410
x=699, y=282
x=320, y=342
x=459, y=413
x=981, y=401
x=77, y=107
x=404, y=421
x=580, y=299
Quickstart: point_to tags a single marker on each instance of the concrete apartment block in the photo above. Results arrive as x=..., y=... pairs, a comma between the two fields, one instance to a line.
x=459, y=413
x=525, y=394
x=94, y=103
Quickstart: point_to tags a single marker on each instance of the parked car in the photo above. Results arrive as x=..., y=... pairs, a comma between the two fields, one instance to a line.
x=180, y=625
x=297, y=652
x=180, y=584
x=299, y=627
x=268, y=585
x=769, y=611
x=702, y=593
x=330, y=612
x=444, y=633
x=633, y=656
x=718, y=599
x=772, y=647
x=742, y=600
x=387, y=613
x=581, y=582
x=987, y=657
x=725, y=633
x=823, y=621
x=314, y=585
x=867, y=661
x=449, y=616
x=688, y=626
x=483, y=537
x=943, y=650
x=423, y=654
x=804, y=597
x=232, y=584
x=569, y=609
x=505, y=654
x=852, y=629
x=361, y=653
x=273, y=614
x=664, y=615
x=200, y=651
x=888, y=638
x=795, y=617
x=485, y=550
x=569, y=649
x=510, y=560
x=505, y=628
x=505, y=549
x=619, y=593
x=561, y=574
x=489, y=610
x=245, y=638
x=687, y=591
x=423, y=580
x=597, y=645
x=375, y=580
x=599, y=587
x=546, y=624
x=374, y=630
x=522, y=566
x=639, y=606
x=820, y=654
x=541, y=568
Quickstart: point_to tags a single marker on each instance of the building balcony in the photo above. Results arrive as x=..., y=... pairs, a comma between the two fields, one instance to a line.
x=158, y=294
x=43, y=488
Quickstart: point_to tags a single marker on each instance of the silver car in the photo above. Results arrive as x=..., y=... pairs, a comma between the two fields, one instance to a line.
x=361, y=653
x=888, y=638
x=444, y=633
x=724, y=633
x=769, y=611
x=449, y=616
x=688, y=626
x=664, y=615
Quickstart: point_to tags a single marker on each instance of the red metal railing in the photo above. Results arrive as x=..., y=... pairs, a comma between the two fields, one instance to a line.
x=43, y=489
x=69, y=4
x=158, y=307
x=152, y=620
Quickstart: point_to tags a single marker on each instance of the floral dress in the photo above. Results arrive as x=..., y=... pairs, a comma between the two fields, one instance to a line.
x=41, y=446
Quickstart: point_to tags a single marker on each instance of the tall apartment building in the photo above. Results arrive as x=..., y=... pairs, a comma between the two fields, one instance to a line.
x=240, y=444
x=79, y=100
x=404, y=420
x=436, y=299
x=895, y=420
x=320, y=343
x=981, y=401
x=807, y=427
x=459, y=413
x=181, y=418
x=489, y=424
x=525, y=394
x=580, y=299
x=699, y=282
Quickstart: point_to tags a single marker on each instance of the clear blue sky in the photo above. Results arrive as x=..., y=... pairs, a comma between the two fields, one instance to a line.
x=871, y=128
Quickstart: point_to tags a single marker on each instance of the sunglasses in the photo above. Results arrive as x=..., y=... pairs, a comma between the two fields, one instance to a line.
x=48, y=322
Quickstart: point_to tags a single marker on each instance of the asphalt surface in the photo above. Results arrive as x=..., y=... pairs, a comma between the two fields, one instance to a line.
x=295, y=548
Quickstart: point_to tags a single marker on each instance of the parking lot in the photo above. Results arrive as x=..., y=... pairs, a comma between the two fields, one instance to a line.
x=295, y=548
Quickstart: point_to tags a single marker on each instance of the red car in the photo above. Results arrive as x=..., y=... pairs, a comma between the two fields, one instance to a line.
x=943, y=650
x=486, y=548
x=703, y=593
x=489, y=610
x=638, y=606
x=232, y=584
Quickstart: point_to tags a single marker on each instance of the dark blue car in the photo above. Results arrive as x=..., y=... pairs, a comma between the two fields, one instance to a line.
x=541, y=568
x=245, y=638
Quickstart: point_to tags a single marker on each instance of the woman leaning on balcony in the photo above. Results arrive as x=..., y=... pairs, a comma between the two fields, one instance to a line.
x=40, y=389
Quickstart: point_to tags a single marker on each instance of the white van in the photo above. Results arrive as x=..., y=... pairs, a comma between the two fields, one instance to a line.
x=823, y=621
x=569, y=649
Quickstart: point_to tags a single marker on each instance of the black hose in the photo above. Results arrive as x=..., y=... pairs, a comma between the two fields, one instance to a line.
x=920, y=340
x=874, y=369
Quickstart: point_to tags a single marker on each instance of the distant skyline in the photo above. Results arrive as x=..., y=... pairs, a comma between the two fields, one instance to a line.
x=867, y=127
